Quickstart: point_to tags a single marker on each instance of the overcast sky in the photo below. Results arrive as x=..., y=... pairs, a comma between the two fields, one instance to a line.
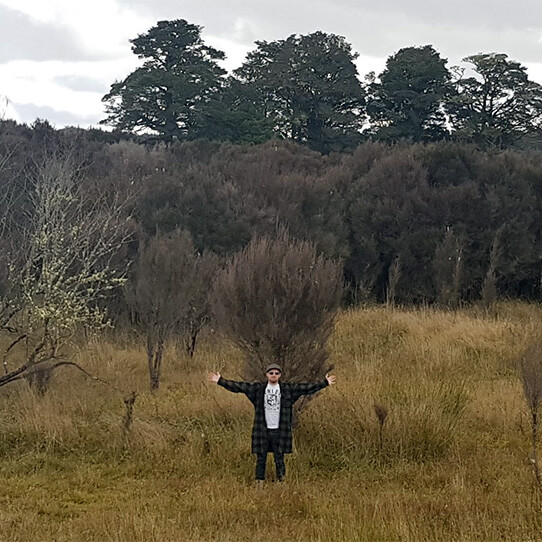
x=59, y=57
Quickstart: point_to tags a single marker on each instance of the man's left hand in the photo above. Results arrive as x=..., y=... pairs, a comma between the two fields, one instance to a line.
x=331, y=379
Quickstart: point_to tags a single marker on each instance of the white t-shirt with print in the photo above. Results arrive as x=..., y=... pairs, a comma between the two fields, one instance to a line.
x=271, y=403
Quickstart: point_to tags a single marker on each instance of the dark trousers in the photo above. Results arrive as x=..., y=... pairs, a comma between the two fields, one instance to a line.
x=272, y=446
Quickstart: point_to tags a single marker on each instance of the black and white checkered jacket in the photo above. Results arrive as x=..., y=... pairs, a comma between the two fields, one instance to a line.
x=290, y=392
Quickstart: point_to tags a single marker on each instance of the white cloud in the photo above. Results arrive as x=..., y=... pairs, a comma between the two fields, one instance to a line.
x=366, y=64
x=534, y=71
x=235, y=52
x=101, y=26
x=92, y=38
x=37, y=83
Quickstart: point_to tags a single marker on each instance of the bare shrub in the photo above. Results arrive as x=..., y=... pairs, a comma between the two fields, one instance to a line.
x=448, y=268
x=277, y=300
x=394, y=275
x=197, y=286
x=489, y=288
x=530, y=374
x=154, y=295
x=168, y=294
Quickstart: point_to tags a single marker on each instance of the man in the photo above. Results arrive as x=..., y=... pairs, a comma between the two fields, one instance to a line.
x=273, y=403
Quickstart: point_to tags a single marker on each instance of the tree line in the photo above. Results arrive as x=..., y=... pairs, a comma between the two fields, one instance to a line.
x=99, y=230
x=447, y=218
x=306, y=88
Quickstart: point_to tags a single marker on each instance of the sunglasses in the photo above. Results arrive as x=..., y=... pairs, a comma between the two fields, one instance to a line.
x=273, y=373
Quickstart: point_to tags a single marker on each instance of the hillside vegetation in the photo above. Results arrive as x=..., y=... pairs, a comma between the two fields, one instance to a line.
x=452, y=463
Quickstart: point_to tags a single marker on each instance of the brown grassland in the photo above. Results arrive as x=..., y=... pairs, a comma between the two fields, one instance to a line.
x=453, y=464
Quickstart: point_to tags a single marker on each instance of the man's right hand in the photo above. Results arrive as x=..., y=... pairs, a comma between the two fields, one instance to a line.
x=214, y=377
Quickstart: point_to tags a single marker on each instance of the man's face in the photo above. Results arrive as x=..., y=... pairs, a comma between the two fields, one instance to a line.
x=273, y=376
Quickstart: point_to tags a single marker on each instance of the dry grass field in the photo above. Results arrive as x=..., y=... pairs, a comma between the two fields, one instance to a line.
x=453, y=464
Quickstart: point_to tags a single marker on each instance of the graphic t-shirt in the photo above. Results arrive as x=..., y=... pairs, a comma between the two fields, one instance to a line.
x=271, y=402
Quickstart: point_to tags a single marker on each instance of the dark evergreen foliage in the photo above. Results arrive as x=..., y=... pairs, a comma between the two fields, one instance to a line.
x=308, y=87
x=167, y=93
x=497, y=107
x=441, y=203
x=407, y=100
x=451, y=214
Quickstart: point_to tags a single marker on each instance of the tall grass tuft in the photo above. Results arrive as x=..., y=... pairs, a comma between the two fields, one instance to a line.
x=381, y=414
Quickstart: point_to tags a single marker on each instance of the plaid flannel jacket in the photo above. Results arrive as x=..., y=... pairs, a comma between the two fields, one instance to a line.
x=290, y=392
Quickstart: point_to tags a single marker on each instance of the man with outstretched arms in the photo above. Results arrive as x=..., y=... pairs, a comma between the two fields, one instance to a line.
x=273, y=402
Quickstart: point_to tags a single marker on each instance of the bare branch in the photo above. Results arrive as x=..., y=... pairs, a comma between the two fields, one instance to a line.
x=9, y=348
x=63, y=266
